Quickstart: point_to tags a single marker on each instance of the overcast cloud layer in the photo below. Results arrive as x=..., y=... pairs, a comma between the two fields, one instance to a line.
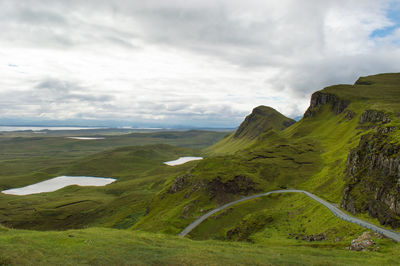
x=177, y=62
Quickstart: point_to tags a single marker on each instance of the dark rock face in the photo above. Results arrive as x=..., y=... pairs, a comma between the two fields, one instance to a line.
x=240, y=184
x=373, y=169
x=374, y=116
x=216, y=188
x=349, y=115
x=309, y=238
x=318, y=99
x=180, y=183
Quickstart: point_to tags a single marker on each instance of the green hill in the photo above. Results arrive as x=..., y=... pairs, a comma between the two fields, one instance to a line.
x=344, y=150
x=261, y=120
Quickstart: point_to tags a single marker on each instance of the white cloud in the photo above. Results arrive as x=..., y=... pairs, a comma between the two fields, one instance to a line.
x=184, y=62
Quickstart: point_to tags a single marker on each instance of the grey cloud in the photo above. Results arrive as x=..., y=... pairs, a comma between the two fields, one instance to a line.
x=56, y=85
x=213, y=29
x=292, y=39
x=54, y=90
x=38, y=17
x=57, y=24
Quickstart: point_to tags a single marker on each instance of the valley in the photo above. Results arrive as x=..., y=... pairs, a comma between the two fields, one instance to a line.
x=342, y=156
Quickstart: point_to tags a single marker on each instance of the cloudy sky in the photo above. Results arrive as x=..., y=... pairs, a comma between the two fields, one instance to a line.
x=185, y=62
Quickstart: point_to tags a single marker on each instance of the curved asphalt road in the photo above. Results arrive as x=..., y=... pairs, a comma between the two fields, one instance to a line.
x=335, y=210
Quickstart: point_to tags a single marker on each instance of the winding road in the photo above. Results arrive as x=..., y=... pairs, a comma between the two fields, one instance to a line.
x=335, y=210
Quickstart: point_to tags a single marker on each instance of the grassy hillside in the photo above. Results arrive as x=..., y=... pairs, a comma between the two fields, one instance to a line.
x=101, y=246
x=309, y=155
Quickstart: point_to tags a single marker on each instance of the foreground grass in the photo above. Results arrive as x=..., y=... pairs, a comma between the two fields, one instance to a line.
x=274, y=218
x=100, y=246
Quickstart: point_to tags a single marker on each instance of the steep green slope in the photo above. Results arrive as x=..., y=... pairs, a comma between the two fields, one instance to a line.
x=261, y=120
x=312, y=154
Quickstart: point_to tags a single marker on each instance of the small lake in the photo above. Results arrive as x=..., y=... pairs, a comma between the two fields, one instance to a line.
x=183, y=160
x=58, y=183
x=85, y=138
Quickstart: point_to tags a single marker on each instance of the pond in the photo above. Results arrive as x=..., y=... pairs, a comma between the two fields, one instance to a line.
x=85, y=138
x=58, y=183
x=183, y=160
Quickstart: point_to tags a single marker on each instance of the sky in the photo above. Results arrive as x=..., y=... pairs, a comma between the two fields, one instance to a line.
x=194, y=63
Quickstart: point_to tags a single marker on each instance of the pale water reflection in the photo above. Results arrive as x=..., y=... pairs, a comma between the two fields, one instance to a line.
x=58, y=183
x=183, y=160
x=85, y=138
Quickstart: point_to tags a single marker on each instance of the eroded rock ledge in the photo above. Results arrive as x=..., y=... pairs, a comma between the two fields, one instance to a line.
x=318, y=99
x=374, y=116
x=216, y=188
x=373, y=170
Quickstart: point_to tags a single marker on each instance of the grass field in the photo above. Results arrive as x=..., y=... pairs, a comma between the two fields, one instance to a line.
x=102, y=246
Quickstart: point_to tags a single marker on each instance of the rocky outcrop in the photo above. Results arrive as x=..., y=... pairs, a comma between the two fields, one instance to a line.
x=373, y=170
x=216, y=188
x=319, y=99
x=374, y=116
x=180, y=183
x=240, y=184
x=309, y=238
x=249, y=226
x=348, y=115
x=363, y=242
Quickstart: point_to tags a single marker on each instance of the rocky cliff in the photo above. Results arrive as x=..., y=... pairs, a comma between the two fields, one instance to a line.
x=373, y=170
x=319, y=98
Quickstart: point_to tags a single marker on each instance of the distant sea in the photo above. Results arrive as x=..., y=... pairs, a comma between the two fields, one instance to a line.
x=26, y=128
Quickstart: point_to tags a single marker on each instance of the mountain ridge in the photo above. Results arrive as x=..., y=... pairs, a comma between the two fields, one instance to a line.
x=310, y=155
x=262, y=119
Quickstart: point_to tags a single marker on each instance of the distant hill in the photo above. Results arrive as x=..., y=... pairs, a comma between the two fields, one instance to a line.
x=262, y=119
